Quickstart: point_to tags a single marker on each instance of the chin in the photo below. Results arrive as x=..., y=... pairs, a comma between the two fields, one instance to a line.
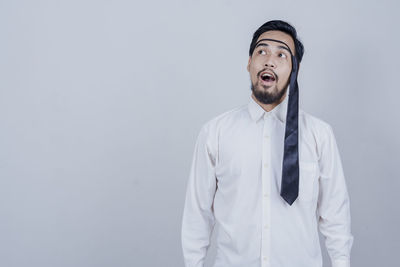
x=269, y=95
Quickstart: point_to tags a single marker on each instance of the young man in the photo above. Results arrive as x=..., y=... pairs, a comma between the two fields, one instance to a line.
x=269, y=173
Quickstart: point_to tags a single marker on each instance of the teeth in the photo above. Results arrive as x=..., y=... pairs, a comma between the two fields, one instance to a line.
x=267, y=76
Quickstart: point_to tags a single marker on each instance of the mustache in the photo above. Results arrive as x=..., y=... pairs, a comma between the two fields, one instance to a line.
x=276, y=76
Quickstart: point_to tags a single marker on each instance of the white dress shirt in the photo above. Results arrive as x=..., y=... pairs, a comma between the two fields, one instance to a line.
x=235, y=181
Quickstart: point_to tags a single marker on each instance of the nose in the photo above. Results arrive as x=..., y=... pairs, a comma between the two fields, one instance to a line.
x=269, y=62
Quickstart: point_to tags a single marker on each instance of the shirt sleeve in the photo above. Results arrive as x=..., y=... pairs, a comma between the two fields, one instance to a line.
x=198, y=215
x=333, y=203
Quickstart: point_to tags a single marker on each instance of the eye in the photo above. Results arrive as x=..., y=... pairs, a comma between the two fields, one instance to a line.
x=282, y=55
x=261, y=52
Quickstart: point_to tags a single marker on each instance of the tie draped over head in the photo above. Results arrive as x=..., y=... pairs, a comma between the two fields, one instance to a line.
x=290, y=163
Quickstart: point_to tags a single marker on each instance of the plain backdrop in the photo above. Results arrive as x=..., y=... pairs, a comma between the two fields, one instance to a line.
x=101, y=102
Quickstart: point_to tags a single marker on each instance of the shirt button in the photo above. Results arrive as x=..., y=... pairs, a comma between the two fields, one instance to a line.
x=265, y=258
x=265, y=226
x=265, y=165
x=266, y=136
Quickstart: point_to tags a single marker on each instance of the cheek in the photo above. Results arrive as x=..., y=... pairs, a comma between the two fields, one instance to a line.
x=285, y=74
x=253, y=71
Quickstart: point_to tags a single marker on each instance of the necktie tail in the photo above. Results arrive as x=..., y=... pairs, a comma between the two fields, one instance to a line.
x=290, y=167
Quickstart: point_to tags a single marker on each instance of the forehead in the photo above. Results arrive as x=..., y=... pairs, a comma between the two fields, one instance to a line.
x=278, y=35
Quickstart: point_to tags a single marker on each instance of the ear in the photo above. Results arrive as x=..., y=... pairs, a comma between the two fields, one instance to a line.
x=248, y=64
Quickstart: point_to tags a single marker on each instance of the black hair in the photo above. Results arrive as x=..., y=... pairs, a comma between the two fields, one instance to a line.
x=279, y=25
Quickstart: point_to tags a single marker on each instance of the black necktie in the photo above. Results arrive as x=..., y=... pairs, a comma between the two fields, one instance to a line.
x=290, y=166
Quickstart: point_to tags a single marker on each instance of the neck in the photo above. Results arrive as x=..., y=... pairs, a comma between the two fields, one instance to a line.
x=268, y=107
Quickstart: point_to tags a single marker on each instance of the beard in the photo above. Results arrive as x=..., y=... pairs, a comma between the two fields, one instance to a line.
x=268, y=95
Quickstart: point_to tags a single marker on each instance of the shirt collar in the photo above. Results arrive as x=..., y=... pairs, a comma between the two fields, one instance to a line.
x=256, y=111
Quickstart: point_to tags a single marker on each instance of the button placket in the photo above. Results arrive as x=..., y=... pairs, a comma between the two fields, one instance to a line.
x=266, y=181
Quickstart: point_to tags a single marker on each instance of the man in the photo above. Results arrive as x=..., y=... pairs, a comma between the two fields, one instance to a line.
x=269, y=173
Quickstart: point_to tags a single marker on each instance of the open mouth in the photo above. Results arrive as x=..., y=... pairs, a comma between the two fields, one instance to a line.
x=267, y=77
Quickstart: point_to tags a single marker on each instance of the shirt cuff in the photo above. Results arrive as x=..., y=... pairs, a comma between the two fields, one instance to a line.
x=341, y=263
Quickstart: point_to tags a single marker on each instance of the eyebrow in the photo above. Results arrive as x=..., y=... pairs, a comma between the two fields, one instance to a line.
x=279, y=46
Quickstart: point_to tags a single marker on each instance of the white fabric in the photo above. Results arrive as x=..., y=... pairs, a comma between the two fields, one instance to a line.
x=235, y=181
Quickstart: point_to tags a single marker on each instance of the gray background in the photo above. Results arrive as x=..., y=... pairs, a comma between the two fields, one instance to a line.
x=101, y=102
